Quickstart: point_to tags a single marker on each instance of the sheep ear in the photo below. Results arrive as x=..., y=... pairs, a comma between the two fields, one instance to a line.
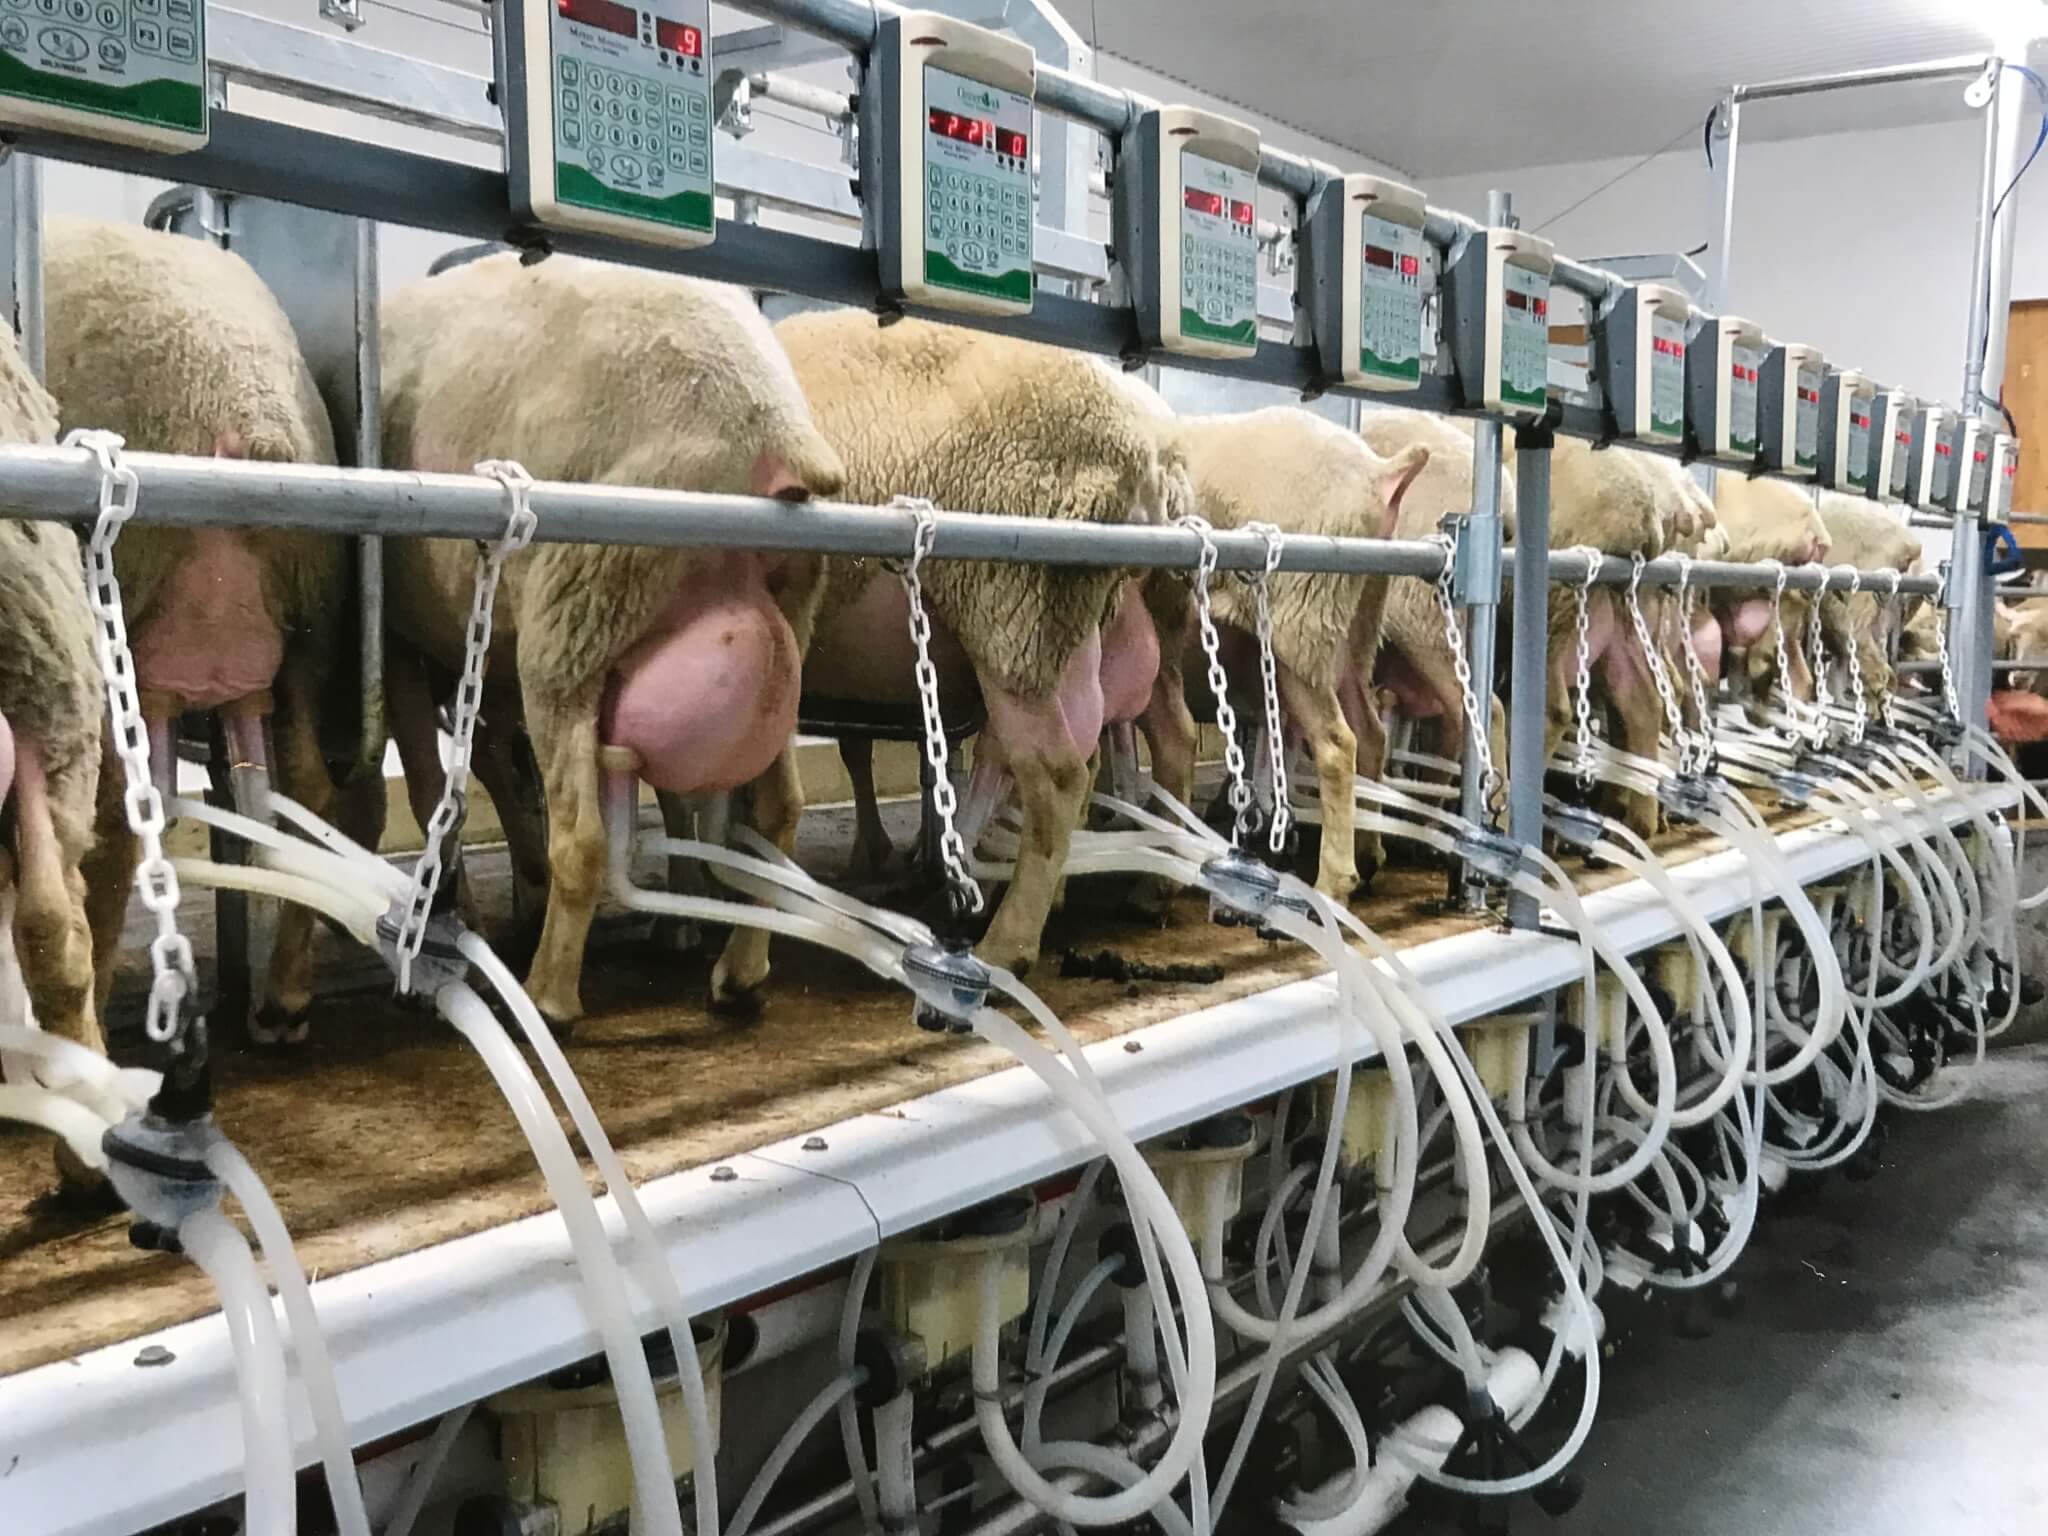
x=1394, y=480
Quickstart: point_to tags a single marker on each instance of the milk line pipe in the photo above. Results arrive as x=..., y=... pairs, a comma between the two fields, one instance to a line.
x=1529, y=658
x=59, y=484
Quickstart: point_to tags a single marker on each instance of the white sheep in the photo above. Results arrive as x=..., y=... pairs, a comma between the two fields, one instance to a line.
x=178, y=346
x=981, y=423
x=1759, y=520
x=1873, y=539
x=51, y=715
x=688, y=658
x=1292, y=468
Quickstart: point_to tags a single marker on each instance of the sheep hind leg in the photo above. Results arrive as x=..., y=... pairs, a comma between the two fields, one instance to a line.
x=566, y=746
x=108, y=867
x=872, y=849
x=1318, y=715
x=1638, y=715
x=1052, y=782
x=1168, y=727
x=775, y=808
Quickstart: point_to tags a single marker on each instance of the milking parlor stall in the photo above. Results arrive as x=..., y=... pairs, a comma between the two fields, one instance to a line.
x=831, y=769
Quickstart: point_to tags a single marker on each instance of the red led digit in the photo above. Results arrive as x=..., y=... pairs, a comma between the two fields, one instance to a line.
x=678, y=38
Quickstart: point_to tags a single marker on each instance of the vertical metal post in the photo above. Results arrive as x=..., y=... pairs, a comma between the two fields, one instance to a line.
x=1731, y=117
x=1980, y=254
x=1528, y=700
x=27, y=175
x=369, y=451
x=1478, y=591
x=2014, y=141
x=1968, y=619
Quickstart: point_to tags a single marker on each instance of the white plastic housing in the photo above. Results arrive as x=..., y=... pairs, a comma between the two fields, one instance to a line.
x=115, y=70
x=1380, y=298
x=1208, y=263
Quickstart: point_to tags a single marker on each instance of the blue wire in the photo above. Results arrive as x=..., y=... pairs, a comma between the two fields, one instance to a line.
x=2041, y=90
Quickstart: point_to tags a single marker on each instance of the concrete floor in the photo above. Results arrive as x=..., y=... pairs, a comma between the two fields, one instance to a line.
x=1888, y=1372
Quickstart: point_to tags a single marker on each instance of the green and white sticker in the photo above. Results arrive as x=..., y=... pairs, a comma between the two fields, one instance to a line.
x=1667, y=377
x=1806, y=418
x=1859, y=444
x=1744, y=369
x=977, y=187
x=1524, y=336
x=1219, y=252
x=1389, y=299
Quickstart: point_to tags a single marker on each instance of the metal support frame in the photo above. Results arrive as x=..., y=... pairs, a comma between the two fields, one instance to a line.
x=1529, y=687
x=62, y=484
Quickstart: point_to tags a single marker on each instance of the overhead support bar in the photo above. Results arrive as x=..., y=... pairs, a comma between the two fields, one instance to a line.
x=1960, y=67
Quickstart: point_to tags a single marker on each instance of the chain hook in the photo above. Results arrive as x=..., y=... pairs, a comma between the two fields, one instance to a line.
x=446, y=821
x=963, y=891
x=1583, y=767
x=1660, y=675
x=1891, y=603
x=173, y=975
x=1861, y=723
x=1477, y=716
x=1219, y=682
x=1695, y=674
x=1269, y=678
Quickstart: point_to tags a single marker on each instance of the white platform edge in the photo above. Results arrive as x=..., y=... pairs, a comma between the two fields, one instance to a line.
x=99, y=1446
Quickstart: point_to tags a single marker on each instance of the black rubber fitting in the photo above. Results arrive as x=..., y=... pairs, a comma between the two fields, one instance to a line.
x=1119, y=1241
x=880, y=1353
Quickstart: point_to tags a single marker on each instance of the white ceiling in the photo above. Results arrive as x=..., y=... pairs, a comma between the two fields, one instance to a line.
x=1448, y=87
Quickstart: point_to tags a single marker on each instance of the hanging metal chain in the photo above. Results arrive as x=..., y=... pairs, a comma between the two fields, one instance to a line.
x=1219, y=681
x=1889, y=611
x=1654, y=660
x=1817, y=644
x=1862, y=705
x=520, y=524
x=173, y=977
x=1269, y=679
x=1476, y=715
x=1948, y=675
x=1696, y=675
x=1584, y=768
x=1794, y=706
x=952, y=849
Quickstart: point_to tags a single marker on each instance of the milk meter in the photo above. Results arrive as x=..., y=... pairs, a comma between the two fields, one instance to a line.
x=1970, y=470
x=1367, y=277
x=1891, y=440
x=1723, y=369
x=946, y=164
x=2003, y=475
x=1788, y=408
x=1931, y=457
x=1641, y=350
x=1497, y=318
x=1188, y=231
x=129, y=71
x=608, y=117
x=1845, y=402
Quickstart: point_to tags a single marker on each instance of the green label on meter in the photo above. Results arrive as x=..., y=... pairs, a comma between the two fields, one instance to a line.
x=139, y=61
x=1667, y=377
x=977, y=187
x=1944, y=446
x=1806, y=425
x=1524, y=336
x=1859, y=444
x=1219, y=253
x=633, y=110
x=1744, y=368
x=1389, y=299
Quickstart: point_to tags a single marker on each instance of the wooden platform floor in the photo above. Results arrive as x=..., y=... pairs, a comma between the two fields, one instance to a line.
x=384, y=1134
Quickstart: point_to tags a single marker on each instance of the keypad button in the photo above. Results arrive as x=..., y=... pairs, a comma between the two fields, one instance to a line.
x=149, y=37
x=678, y=157
x=572, y=131
x=572, y=103
x=698, y=135
x=634, y=117
x=615, y=109
x=696, y=105
x=109, y=18
x=14, y=32
x=632, y=91
x=568, y=68
x=700, y=163
x=678, y=101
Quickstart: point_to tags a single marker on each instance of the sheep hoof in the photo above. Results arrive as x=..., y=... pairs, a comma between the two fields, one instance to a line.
x=1368, y=869
x=82, y=1189
x=274, y=1025
x=564, y=1030
x=729, y=1000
